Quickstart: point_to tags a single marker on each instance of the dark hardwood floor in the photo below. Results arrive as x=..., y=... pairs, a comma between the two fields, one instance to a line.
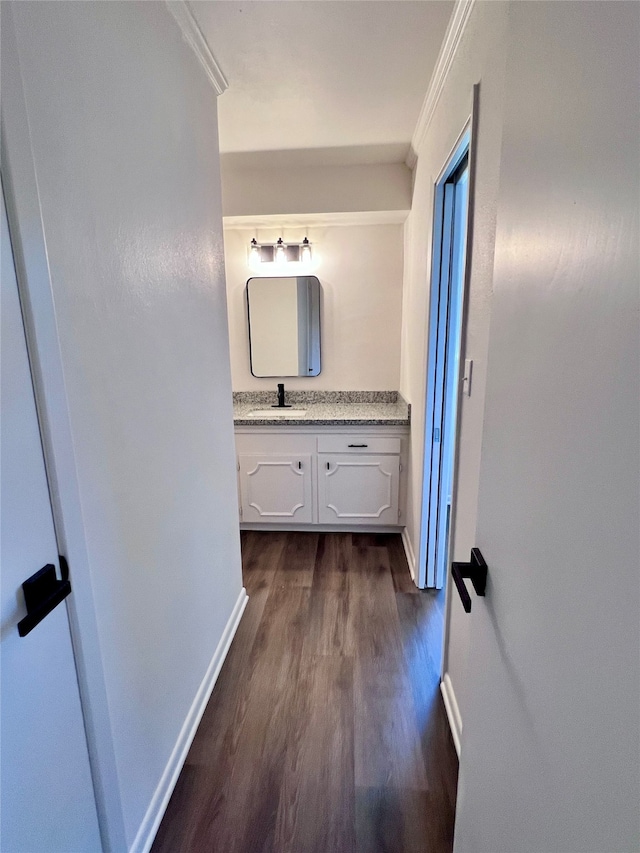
x=326, y=731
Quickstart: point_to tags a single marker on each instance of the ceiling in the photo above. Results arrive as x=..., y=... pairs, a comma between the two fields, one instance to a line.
x=327, y=81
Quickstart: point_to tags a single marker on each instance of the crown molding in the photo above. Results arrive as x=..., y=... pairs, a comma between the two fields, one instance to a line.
x=197, y=42
x=310, y=220
x=453, y=36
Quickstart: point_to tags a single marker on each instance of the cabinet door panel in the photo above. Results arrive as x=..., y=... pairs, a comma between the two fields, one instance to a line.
x=276, y=488
x=358, y=489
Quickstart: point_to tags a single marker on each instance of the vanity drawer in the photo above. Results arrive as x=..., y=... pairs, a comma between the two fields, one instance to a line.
x=357, y=444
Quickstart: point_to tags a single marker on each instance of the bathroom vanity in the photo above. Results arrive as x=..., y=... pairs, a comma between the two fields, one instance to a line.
x=333, y=461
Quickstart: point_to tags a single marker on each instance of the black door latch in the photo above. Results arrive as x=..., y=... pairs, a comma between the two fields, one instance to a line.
x=476, y=571
x=42, y=592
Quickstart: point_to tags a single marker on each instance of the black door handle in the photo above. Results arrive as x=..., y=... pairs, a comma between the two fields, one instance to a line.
x=476, y=571
x=42, y=592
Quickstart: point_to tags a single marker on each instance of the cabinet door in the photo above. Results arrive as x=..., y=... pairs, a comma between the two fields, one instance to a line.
x=354, y=489
x=276, y=488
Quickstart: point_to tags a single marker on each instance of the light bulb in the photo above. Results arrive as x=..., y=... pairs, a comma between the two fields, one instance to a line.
x=254, y=253
x=305, y=252
x=281, y=255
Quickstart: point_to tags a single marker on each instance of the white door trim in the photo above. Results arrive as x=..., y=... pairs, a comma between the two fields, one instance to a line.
x=473, y=153
x=464, y=142
x=36, y=295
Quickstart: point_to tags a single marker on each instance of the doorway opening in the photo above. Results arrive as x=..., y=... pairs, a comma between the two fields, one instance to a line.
x=443, y=365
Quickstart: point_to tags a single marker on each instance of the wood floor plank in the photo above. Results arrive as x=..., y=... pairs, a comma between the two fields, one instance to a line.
x=441, y=764
x=372, y=540
x=297, y=565
x=388, y=749
x=251, y=790
x=389, y=820
x=283, y=629
x=316, y=809
x=421, y=628
x=370, y=572
x=387, y=740
x=222, y=719
x=373, y=631
x=333, y=563
x=328, y=629
x=326, y=732
x=402, y=580
x=262, y=554
x=421, y=634
x=242, y=815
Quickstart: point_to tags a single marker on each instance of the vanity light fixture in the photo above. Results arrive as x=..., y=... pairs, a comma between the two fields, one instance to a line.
x=279, y=252
x=293, y=253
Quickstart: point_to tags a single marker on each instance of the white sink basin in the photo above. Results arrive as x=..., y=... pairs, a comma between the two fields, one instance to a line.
x=277, y=413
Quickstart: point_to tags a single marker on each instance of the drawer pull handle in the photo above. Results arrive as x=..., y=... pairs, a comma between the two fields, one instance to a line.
x=357, y=445
x=328, y=466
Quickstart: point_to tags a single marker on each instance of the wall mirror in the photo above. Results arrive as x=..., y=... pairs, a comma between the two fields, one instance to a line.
x=284, y=326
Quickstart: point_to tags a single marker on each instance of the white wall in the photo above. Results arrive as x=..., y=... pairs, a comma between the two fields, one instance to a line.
x=360, y=271
x=124, y=139
x=295, y=189
x=480, y=57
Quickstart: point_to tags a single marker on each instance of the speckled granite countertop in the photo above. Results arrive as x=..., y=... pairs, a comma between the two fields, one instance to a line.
x=324, y=408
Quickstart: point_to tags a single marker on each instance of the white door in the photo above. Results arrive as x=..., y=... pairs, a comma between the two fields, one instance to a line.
x=47, y=801
x=550, y=753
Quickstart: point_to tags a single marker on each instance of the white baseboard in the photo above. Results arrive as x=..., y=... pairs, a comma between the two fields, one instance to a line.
x=453, y=712
x=160, y=799
x=408, y=550
x=320, y=528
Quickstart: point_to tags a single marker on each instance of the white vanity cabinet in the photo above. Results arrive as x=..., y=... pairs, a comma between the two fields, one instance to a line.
x=358, y=480
x=327, y=477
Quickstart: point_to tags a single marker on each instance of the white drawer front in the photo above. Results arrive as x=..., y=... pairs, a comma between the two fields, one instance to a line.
x=275, y=442
x=357, y=444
